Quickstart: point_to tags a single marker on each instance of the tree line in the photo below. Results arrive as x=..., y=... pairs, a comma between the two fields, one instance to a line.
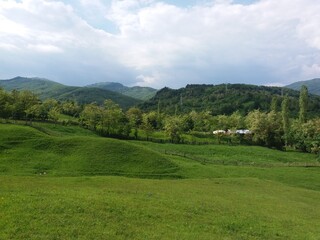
x=274, y=128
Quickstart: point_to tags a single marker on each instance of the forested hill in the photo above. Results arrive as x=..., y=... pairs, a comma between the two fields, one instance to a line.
x=142, y=93
x=50, y=89
x=225, y=99
x=313, y=85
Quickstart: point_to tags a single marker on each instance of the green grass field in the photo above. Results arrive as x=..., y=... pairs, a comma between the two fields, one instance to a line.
x=165, y=191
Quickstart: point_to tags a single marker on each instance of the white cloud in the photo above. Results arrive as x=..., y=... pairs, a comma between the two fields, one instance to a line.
x=162, y=44
x=312, y=71
x=45, y=48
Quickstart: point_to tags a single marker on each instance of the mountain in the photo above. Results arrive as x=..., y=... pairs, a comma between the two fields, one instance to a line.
x=142, y=93
x=49, y=89
x=85, y=95
x=225, y=99
x=41, y=86
x=313, y=85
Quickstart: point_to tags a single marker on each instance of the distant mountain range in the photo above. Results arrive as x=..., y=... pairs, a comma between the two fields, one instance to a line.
x=50, y=89
x=218, y=99
x=313, y=85
x=225, y=99
x=142, y=93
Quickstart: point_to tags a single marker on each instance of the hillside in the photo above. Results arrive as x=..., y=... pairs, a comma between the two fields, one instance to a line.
x=27, y=151
x=225, y=99
x=85, y=95
x=142, y=93
x=50, y=89
x=58, y=182
x=44, y=87
x=313, y=85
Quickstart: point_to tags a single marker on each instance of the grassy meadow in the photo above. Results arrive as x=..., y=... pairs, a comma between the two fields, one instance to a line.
x=64, y=182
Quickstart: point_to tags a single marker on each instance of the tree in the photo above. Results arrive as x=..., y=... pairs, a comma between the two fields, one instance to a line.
x=4, y=101
x=173, y=128
x=274, y=104
x=113, y=118
x=47, y=105
x=91, y=115
x=20, y=102
x=134, y=116
x=202, y=120
x=266, y=127
x=71, y=108
x=306, y=136
x=187, y=123
x=54, y=114
x=147, y=125
x=275, y=130
x=303, y=104
x=34, y=112
x=285, y=118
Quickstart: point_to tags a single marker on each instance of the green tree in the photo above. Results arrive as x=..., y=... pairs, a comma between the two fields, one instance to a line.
x=266, y=127
x=187, y=123
x=47, y=105
x=20, y=102
x=274, y=104
x=91, y=116
x=4, y=102
x=173, y=128
x=202, y=120
x=34, y=112
x=114, y=119
x=54, y=114
x=306, y=136
x=303, y=104
x=134, y=116
x=285, y=118
x=275, y=130
x=71, y=108
x=148, y=124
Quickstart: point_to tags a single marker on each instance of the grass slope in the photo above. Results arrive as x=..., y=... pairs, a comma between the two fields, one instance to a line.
x=223, y=194
x=27, y=151
x=221, y=161
x=124, y=208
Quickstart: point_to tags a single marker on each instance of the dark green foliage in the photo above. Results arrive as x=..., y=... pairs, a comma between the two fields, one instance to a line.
x=218, y=100
x=285, y=118
x=274, y=104
x=303, y=104
x=86, y=95
x=142, y=93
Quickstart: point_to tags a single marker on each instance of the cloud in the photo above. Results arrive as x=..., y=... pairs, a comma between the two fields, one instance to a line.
x=45, y=48
x=157, y=43
x=218, y=38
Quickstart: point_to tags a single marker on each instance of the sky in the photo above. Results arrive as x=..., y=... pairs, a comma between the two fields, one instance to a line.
x=161, y=43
